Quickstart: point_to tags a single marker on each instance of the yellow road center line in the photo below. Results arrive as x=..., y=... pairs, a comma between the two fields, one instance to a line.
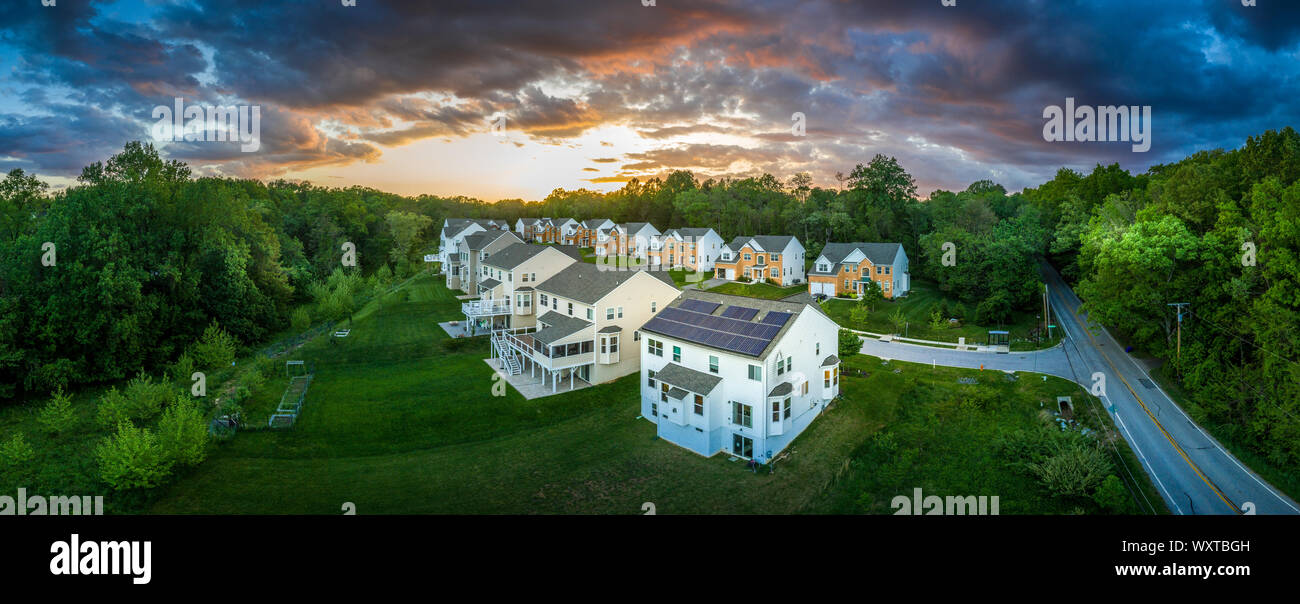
x=1173, y=442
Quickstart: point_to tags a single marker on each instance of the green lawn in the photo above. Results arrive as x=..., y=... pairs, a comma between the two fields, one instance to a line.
x=400, y=419
x=759, y=290
x=923, y=298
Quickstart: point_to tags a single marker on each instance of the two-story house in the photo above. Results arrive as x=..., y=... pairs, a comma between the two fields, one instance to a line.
x=847, y=267
x=634, y=239
x=587, y=320
x=473, y=250
x=688, y=248
x=737, y=374
x=527, y=229
x=454, y=231
x=506, y=281
x=585, y=233
x=777, y=258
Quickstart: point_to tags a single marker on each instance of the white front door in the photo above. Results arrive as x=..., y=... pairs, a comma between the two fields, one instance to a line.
x=731, y=274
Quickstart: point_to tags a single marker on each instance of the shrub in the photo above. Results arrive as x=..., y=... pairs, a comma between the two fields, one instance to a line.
x=215, y=349
x=183, y=433
x=936, y=319
x=141, y=400
x=132, y=458
x=183, y=369
x=1112, y=496
x=15, y=453
x=1075, y=469
x=849, y=344
x=57, y=416
x=300, y=318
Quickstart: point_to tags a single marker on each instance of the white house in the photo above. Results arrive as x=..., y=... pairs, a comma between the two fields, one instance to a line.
x=586, y=325
x=778, y=258
x=454, y=231
x=847, y=267
x=737, y=374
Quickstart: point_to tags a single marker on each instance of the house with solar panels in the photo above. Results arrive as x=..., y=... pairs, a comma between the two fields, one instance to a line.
x=506, y=283
x=586, y=326
x=776, y=258
x=845, y=268
x=739, y=375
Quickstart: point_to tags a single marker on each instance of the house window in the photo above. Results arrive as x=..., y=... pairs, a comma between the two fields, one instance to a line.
x=677, y=354
x=827, y=376
x=589, y=313
x=542, y=297
x=650, y=378
x=699, y=405
x=756, y=373
x=652, y=306
x=805, y=388
x=822, y=268
x=780, y=366
x=787, y=408
x=654, y=409
x=774, y=272
x=748, y=257
x=620, y=312
x=713, y=364
x=775, y=257
x=789, y=363
x=570, y=309
x=523, y=301
x=742, y=414
x=663, y=393
x=837, y=376
x=776, y=411
x=656, y=347
x=510, y=276
x=819, y=349
x=609, y=314
x=555, y=304
x=524, y=277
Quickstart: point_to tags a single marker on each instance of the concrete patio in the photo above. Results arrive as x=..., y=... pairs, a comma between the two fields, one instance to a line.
x=533, y=387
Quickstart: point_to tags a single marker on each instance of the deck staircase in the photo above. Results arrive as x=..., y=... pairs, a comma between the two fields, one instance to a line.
x=510, y=360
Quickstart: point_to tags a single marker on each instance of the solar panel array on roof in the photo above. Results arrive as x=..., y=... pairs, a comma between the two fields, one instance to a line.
x=776, y=318
x=726, y=333
x=744, y=313
x=700, y=306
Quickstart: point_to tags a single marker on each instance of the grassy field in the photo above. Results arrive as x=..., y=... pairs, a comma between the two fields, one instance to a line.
x=917, y=306
x=759, y=290
x=400, y=419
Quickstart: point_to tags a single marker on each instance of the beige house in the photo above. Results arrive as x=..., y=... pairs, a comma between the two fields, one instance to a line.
x=506, y=280
x=587, y=325
x=473, y=250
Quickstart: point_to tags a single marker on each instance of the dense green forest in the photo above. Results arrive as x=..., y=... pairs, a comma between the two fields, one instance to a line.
x=127, y=270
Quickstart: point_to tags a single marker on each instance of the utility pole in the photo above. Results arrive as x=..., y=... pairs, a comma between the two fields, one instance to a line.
x=1179, y=306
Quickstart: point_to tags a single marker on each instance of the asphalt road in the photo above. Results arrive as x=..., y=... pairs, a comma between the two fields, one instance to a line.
x=1192, y=471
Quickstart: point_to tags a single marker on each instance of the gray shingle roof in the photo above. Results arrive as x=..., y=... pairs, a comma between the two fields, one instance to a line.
x=792, y=305
x=782, y=389
x=610, y=329
x=769, y=243
x=690, y=233
x=587, y=283
x=677, y=393
x=513, y=255
x=478, y=241
x=688, y=379
x=877, y=253
x=489, y=284
x=560, y=326
x=830, y=360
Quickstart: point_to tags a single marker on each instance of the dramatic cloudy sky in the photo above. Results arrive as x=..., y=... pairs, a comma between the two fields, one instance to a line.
x=399, y=95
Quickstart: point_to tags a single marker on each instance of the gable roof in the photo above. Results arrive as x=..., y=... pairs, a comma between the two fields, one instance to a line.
x=877, y=253
x=791, y=305
x=694, y=233
x=515, y=254
x=478, y=241
x=769, y=243
x=588, y=283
